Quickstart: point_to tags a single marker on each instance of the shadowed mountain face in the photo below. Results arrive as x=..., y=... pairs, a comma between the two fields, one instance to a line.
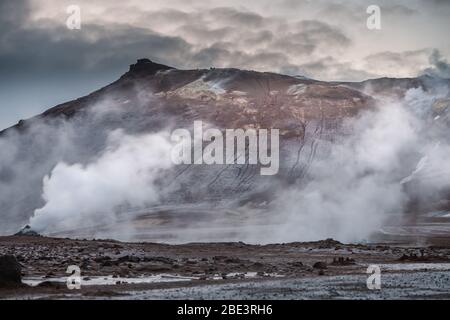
x=152, y=98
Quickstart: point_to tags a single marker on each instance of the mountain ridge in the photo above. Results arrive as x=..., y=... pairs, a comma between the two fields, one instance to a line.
x=145, y=68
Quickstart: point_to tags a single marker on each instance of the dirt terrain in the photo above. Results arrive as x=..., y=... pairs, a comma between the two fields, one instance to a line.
x=324, y=270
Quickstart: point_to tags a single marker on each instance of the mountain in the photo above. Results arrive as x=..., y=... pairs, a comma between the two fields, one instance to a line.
x=151, y=98
x=235, y=98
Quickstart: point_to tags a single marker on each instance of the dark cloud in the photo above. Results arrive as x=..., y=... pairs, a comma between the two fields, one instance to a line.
x=262, y=35
x=52, y=64
x=222, y=37
x=61, y=50
x=12, y=13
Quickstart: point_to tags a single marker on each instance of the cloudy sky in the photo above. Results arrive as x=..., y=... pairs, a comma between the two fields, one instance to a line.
x=43, y=63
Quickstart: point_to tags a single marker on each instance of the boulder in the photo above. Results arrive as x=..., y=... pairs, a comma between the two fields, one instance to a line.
x=10, y=271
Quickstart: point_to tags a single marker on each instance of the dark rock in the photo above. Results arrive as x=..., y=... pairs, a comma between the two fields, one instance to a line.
x=102, y=259
x=147, y=67
x=219, y=258
x=128, y=258
x=51, y=284
x=320, y=265
x=341, y=261
x=232, y=260
x=297, y=264
x=10, y=271
x=163, y=260
x=111, y=263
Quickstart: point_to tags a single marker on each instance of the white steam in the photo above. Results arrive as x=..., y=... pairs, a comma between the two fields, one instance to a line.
x=354, y=190
x=125, y=175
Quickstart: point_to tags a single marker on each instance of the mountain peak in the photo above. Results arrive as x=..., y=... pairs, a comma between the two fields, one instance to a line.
x=147, y=66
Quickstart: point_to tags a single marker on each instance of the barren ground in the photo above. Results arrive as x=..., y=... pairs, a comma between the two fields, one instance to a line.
x=111, y=269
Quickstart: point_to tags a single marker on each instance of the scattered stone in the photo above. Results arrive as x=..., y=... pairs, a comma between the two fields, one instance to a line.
x=422, y=258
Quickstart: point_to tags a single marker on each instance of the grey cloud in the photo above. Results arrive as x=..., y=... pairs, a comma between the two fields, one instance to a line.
x=12, y=13
x=395, y=57
x=438, y=2
x=221, y=55
x=232, y=16
x=259, y=37
x=200, y=32
x=214, y=55
x=59, y=49
x=318, y=32
x=328, y=66
x=223, y=36
x=206, y=35
x=398, y=9
x=439, y=66
x=399, y=63
x=311, y=36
